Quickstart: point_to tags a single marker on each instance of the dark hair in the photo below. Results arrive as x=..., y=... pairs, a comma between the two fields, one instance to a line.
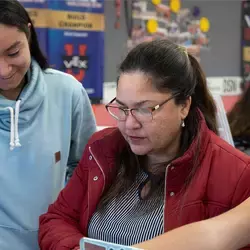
x=12, y=13
x=171, y=69
x=239, y=118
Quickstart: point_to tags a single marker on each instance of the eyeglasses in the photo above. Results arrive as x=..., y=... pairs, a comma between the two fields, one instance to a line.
x=141, y=114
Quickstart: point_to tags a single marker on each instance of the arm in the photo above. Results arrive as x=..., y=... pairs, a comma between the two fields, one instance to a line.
x=242, y=191
x=83, y=126
x=59, y=226
x=229, y=231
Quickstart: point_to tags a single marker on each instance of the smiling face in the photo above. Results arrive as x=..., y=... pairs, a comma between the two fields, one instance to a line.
x=15, y=57
x=161, y=135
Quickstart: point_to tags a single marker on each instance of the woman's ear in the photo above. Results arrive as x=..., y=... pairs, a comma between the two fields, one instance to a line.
x=185, y=107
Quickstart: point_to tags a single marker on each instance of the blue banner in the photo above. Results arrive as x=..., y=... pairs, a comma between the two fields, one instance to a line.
x=71, y=34
x=76, y=42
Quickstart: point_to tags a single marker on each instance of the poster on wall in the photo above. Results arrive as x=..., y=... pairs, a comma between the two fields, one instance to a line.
x=159, y=19
x=38, y=13
x=76, y=42
x=245, y=43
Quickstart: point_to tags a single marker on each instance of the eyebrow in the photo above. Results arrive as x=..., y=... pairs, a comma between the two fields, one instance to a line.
x=14, y=45
x=136, y=104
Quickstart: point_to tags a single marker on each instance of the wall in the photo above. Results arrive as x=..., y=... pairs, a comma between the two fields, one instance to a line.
x=222, y=59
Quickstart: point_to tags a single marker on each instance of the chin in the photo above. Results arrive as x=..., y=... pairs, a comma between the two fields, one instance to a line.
x=9, y=87
x=139, y=150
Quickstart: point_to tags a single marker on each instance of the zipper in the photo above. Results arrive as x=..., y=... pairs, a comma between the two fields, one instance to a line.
x=99, y=165
x=165, y=196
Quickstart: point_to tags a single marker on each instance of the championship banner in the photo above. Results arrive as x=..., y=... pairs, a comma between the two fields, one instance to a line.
x=38, y=13
x=76, y=42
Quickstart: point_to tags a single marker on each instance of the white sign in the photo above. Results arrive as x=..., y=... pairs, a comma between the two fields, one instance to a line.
x=225, y=86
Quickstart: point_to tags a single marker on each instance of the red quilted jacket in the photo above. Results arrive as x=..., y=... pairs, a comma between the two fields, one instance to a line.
x=221, y=183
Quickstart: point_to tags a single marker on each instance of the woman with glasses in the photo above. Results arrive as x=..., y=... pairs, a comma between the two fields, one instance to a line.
x=163, y=167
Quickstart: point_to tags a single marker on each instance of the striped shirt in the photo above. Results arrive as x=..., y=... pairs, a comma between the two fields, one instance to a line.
x=127, y=219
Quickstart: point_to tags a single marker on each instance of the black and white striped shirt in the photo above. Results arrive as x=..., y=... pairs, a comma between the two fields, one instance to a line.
x=128, y=220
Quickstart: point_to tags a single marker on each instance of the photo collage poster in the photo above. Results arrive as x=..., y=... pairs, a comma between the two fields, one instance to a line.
x=158, y=19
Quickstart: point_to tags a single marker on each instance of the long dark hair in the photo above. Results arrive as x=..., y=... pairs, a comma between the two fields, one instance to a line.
x=12, y=13
x=173, y=70
x=239, y=118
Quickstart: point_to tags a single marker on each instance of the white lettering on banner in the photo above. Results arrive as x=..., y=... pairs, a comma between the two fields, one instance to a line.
x=75, y=34
x=85, y=3
x=247, y=19
x=76, y=62
x=32, y=1
x=225, y=86
x=90, y=91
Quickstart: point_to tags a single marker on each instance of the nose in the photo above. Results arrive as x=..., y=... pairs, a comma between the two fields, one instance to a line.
x=132, y=122
x=5, y=69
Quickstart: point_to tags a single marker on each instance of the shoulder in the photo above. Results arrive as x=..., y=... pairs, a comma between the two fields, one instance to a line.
x=228, y=166
x=106, y=135
x=108, y=141
x=227, y=152
x=224, y=174
x=103, y=143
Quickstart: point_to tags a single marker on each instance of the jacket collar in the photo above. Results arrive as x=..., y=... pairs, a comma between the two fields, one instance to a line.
x=109, y=143
x=182, y=166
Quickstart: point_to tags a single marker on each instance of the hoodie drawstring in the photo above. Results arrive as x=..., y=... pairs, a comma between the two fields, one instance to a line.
x=14, y=135
x=17, y=109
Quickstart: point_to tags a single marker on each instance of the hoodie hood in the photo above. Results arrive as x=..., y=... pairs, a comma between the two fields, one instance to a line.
x=17, y=114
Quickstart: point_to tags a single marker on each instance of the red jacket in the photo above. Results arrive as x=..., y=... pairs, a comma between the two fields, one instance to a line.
x=221, y=183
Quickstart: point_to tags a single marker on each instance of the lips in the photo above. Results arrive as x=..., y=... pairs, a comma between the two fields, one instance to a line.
x=135, y=137
x=9, y=77
x=136, y=140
